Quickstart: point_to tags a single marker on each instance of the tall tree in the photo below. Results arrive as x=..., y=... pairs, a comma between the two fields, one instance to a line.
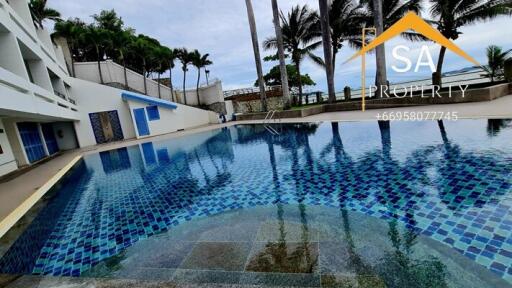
x=96, y=39
x=273, y=78
x=160, y=55
x=142, y=48
x=451, y=15
x=40, y=13
x=121, y=43
x=71, y=30
x=281, y=55
x=381, y=78
x=496, y=58
x=257, y=56
x=172, y=57
x=199, y=61
x=108, y=20
x=389, y=11
x=301, y=32
x=327, y=44
x=185, y=58
x=347, y=18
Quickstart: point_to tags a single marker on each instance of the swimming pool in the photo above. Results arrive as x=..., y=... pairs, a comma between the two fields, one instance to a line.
x=445, y=187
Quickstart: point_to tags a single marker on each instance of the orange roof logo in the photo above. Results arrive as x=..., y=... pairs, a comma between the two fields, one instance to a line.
x=411, y=21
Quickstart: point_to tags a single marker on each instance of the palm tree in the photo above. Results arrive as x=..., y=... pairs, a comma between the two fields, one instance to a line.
x=382, y=15
x=71, y=30
x=121, y=43
x=185, y=58
x=451, y=15
x=96, y=39
x=496, y=58
x=257, y=56
x=160, y=55
x=172, y=57
x=280, y=53
x=347, y=18
x=380, y=51
x=327, y=43
x=108, y=20
x=300, y=37
x=40, y=13
x=199, y=61
x=142, y=48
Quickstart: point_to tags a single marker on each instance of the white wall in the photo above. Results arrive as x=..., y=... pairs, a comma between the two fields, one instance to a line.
x=207, y=94
x=92, y=98
x=65, y=135
x=15, y=141
x=183, y=117
x=113, y=73
x=7, y=161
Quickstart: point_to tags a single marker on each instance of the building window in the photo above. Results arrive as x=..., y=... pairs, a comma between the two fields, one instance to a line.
x=153, y=113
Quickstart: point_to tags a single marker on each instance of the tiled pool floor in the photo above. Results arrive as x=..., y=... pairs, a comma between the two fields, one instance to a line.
x=161, y=211
x=295, y=245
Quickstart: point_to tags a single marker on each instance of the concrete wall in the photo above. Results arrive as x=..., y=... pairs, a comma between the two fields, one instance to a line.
x=7, y=161
x=208, y=95
x=65, y=135
x=252, y=106
x=94, y=98
x=184, y=117
x=113, y=73
x=15, y=141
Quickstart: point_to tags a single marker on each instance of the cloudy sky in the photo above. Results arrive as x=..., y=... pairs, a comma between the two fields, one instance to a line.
x=220, y=27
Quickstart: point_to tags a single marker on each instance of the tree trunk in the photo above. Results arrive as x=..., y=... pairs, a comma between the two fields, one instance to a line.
x=282, y=62
x=437, y=78
x=71, y=48
x=144, y=76
x=99, y=65
x=327, y=43
x=334, y=52
x=257, y=57
x=159, y=91
x=381, y=78
x=170, y=84
x=125, y=75
x=197, y=87
x=184, y=82
x=297, y=66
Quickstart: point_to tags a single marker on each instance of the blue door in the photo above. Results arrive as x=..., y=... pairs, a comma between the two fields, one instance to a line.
x=32, y=142
x=49, y=138
x=141, y=121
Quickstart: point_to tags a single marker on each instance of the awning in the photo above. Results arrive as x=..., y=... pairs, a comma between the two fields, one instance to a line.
x=148, y=100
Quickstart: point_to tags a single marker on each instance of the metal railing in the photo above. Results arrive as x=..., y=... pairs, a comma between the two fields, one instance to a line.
x=268, y=118
x=250, y=90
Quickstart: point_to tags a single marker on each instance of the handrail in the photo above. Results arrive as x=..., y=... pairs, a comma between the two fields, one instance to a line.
x=269, y=117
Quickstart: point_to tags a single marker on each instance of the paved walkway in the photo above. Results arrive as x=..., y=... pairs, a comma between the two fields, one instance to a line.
x=13, y=193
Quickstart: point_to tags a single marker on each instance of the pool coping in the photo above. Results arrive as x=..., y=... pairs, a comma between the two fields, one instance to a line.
x=8, y=222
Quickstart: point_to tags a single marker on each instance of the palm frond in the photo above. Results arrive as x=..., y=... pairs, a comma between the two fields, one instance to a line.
x=316, y=59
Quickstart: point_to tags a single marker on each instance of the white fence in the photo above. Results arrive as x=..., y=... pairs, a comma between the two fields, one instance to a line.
x=113, y=74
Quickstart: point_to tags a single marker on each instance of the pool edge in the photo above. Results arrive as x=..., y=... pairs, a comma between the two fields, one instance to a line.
x=10, y=220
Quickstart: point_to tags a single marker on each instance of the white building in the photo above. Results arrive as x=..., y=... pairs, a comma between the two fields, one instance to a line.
x=43, y=110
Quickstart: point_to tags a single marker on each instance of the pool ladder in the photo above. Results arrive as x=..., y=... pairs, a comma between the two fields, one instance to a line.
x=268, y=118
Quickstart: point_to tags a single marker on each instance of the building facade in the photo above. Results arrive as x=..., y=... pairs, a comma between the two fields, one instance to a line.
x=43, y=110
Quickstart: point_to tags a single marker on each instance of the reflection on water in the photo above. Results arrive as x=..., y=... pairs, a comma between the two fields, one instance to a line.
x=449, y=181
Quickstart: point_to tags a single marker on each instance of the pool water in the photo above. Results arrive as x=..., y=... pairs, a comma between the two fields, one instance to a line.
x=428, y=201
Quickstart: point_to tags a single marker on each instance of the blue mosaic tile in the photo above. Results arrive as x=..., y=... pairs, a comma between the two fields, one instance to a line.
x=454, y=188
